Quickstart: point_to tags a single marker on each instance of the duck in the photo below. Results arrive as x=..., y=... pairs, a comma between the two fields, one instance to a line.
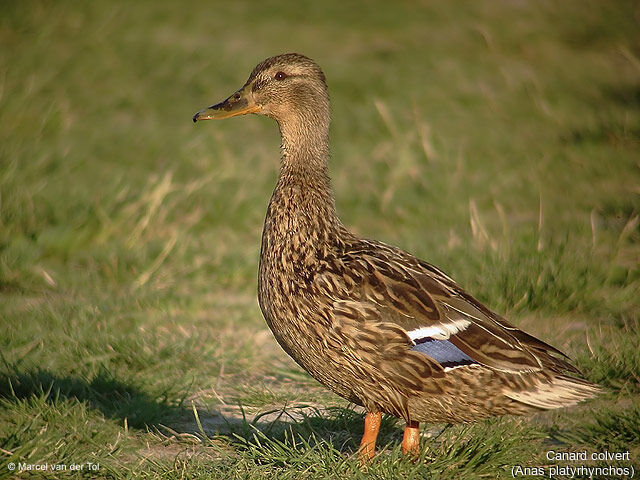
x=378, y=326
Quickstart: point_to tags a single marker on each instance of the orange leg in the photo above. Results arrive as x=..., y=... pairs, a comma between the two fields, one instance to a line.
x=411, y=439
x=371, y=429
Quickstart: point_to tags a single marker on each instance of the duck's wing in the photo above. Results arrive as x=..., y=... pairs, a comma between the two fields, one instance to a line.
x=440, y=319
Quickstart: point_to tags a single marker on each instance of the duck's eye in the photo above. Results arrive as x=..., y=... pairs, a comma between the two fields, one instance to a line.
x=280, y=76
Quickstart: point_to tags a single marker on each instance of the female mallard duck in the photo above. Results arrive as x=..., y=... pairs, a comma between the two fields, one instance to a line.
x=373, y=323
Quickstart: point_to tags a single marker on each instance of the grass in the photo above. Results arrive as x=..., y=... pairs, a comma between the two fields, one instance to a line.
x=498, y=140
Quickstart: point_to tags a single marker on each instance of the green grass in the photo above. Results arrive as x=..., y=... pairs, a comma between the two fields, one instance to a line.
x=498, y=140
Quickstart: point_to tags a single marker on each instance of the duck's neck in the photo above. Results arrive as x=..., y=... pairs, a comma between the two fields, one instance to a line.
x=304, y=181
x=305, y=143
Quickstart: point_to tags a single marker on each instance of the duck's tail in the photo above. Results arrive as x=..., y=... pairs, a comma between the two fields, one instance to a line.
x=560, y=391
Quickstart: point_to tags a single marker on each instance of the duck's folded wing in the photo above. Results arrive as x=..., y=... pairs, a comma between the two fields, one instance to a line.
x=440, y=319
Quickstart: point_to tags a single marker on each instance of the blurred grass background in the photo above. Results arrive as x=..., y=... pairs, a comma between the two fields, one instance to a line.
x=498, y=140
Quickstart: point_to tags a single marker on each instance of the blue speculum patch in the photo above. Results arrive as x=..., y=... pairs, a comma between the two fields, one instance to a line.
x=443, y=351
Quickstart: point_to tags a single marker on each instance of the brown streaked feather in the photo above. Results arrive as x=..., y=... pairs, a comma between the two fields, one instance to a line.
x=417, y=298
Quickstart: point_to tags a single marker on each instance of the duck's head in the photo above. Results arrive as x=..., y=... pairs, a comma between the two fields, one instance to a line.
x=285, y=87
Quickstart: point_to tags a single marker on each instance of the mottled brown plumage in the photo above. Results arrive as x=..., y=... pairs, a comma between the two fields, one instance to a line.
x=371, y=322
